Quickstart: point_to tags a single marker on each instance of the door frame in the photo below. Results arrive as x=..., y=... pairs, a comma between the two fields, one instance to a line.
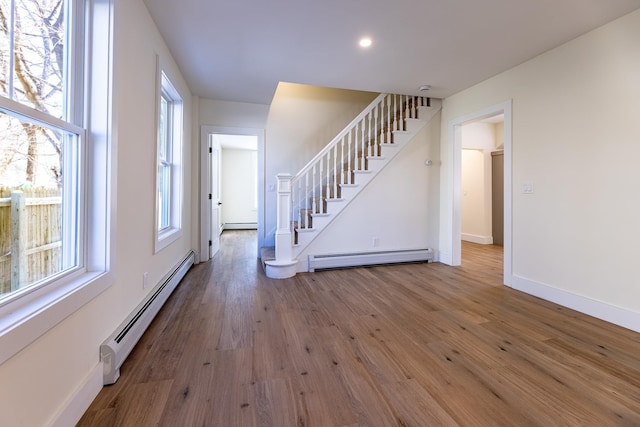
x=205, y=179
x=453, y=197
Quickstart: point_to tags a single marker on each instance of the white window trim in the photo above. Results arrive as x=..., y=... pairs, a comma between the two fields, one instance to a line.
x=26, y=318
x=166, y=236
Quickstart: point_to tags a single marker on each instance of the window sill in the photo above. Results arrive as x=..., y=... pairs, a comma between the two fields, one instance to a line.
x=166, y=237
x=25, y=320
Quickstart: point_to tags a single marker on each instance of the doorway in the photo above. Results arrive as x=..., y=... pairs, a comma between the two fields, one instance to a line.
x=451, y=242
x=482, y=172
x=482, y=144
x=222, y=151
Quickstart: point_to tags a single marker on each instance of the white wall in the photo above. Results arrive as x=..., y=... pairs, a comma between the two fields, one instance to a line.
x=38, y=386
x=399, y=207
x=302, y=120
x=239, y=177
x=476, y=218
x=214, y=112
x=499, y=135
x=575, y=136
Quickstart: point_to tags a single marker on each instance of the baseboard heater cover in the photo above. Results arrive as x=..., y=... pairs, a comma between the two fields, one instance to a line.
x=117, y=347
x=240, y=226
x=319, y=262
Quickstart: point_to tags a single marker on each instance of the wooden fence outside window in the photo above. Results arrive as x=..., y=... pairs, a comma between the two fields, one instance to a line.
x=30, y=236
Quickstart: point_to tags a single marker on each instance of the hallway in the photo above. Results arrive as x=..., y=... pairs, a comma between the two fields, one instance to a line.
x=404, y=345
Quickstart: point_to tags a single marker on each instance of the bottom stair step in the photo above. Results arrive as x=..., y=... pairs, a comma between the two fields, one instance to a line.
x=267, y=254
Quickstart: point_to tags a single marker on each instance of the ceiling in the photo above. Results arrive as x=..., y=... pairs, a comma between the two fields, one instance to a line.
x=238, y=50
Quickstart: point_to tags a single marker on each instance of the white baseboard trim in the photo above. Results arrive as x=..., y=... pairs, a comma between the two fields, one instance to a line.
x=474, y=238
x=444, y=257
x=240, y=226
x=76, y=405
x=598, y=309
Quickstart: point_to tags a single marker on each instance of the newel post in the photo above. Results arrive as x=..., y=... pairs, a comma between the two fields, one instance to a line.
x=284, y=266
x=283, y=230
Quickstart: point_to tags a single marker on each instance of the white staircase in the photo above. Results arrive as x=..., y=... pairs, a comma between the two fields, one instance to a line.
x=315, y=196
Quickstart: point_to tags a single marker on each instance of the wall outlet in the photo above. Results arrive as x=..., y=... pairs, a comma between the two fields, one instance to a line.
x=145, y=280
x=527, y=187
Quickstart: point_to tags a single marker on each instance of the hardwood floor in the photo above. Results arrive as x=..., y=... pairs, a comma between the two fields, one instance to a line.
x=406, y=345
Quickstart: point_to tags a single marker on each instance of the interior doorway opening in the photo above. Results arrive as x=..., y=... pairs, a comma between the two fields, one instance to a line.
x=232, y=184
x=457, y=129
x=482, y=144
x=482, y=185
x=238, y=181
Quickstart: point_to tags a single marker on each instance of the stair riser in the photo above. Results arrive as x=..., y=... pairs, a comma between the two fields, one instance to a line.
x=349, y=192
x=320, y=222
x=413, y=125
x=334, y=206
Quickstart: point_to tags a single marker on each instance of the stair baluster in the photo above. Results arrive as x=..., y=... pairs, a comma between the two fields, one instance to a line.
x=396, y=122
x=313, y=191
x=376, y=110
x=325, y=187
x=320, y=181
x=306, y=211
x=349, y=169
x=341, y=163
x=298, y=196
x=335, y=171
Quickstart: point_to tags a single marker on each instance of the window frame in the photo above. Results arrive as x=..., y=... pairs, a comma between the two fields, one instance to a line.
x=25, y=318
x=165, y=234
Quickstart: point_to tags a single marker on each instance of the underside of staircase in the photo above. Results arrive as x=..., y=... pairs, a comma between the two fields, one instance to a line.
x=309, y=201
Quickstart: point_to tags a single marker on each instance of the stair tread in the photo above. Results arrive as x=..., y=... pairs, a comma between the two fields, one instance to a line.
x=268, y=253
x=305, y=230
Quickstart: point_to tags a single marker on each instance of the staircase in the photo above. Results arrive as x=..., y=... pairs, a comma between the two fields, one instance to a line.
x=315, y=196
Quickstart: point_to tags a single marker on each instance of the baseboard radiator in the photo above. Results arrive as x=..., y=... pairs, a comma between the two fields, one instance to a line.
x=117, y=347
x=240, y=226
x=319, y=262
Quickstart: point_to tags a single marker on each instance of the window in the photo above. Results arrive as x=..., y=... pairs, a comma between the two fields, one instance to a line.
x=43, y=140
x=54, y=161
x=168, y=180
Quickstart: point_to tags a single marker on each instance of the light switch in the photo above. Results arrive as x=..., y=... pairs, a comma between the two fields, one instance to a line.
x=527, y=187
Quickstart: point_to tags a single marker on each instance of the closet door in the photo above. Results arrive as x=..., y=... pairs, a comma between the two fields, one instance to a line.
x=497, y=197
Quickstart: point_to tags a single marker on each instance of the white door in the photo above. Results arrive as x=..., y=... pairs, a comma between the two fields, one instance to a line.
x=214, y=196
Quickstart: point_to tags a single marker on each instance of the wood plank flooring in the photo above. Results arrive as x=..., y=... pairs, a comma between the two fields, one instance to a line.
x=405, y=345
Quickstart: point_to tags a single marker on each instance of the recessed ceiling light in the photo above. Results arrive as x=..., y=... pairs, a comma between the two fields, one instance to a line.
x=365, y=42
